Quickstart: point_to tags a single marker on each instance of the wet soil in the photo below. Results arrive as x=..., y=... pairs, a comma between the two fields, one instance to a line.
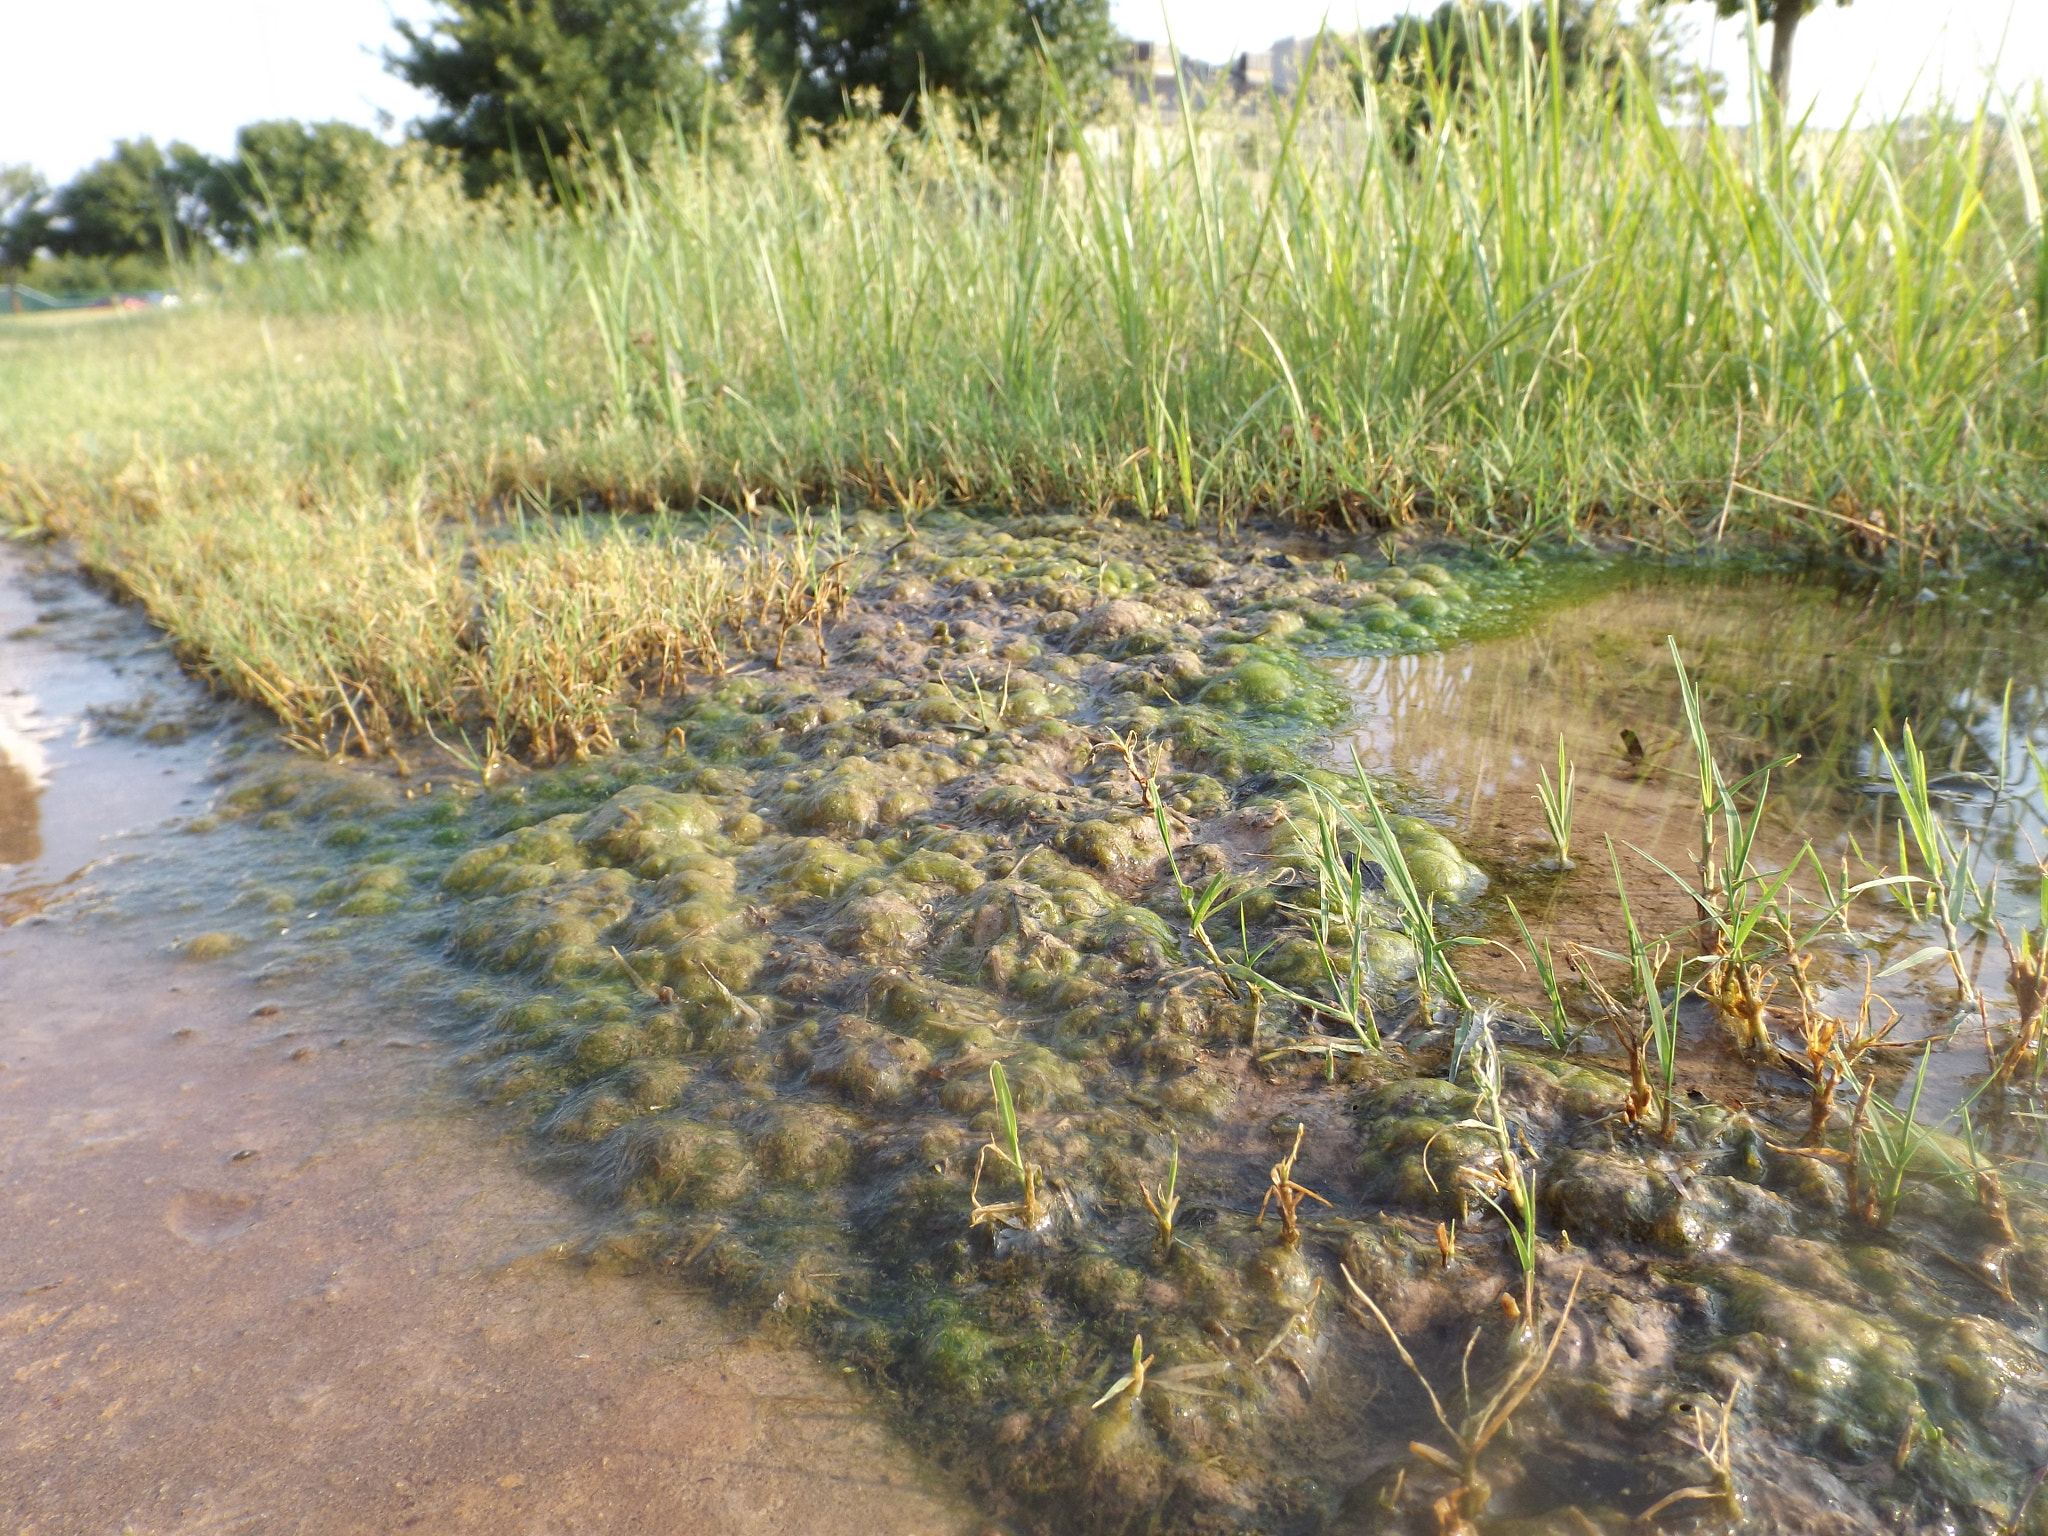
x=264, y=1265
x=744, y=984
x=750, y=977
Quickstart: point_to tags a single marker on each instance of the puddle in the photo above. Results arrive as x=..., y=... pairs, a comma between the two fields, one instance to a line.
x=742, y=985
x=1783, y=669
x=261, y=1269
x=102, y=737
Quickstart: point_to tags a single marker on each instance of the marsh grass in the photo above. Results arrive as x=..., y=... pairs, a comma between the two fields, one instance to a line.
x=1556, y=1022
x=1646, y=960
x=1480, y=1426
x=1028, y=1211
x=1286, y=1196
x=362, y=628
x=1896, y=1137
x=1946, y=872
x=1631, y=1032
x=1714, y=1445
x=1164, y=1204
x=1180, y=1380
x=1371, y=838
x=1200, y=906
x=1557, y=315
x=1511, y=1185
x=2027, y=976
x=1557, y=803
x=1344, y=913
x=1833, y=1047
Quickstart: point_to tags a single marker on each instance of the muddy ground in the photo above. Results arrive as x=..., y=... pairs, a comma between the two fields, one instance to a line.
x=745, y=980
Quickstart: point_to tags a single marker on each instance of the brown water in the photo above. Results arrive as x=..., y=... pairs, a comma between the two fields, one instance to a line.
x=262, y=1268
x=268, y=1269
x=1783, y=669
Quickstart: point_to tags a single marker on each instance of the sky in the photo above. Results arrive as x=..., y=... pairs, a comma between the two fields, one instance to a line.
x=74, y=78
x=1873, y=57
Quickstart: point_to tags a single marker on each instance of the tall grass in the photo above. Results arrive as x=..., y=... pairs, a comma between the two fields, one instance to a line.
x=1557, y=314
x=1552, y=312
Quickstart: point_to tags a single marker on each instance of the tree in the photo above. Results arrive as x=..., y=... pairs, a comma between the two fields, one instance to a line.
x=986, y=53
x=1412, y=57
x=1783, y=17
x=308, y=184
x=1462, y=37
x=140, y=201
x=524, y=82
x=24, y=215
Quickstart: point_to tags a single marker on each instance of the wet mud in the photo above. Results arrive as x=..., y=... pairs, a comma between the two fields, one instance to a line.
x=265, y=1264
x=746, y=984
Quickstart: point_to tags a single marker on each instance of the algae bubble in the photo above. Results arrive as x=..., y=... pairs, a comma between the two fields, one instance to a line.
x=750, y=986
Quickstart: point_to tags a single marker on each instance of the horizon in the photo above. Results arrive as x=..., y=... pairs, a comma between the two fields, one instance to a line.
x=171, y=77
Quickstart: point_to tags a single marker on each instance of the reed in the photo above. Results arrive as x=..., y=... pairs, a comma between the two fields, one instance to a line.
x=1554, y=315
x=1556, y=799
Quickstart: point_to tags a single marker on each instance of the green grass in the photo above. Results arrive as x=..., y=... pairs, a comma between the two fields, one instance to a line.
x=1566, y=318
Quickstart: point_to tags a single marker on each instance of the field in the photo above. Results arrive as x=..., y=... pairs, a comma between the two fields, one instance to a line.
x=1568, y=321
x=819, y=668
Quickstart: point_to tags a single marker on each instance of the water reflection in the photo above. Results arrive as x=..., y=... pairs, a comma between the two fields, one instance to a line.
x=1783, y=668
x=22, y=773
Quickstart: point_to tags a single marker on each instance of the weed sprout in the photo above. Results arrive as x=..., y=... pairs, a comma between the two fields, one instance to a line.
x=1286, y=1196
x=1028, y=1212
x=1557, y=803
x=1165, y=1204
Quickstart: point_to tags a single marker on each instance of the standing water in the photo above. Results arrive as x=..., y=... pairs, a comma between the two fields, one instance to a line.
x=262, y=1268
x=1801, y=680
x=865, y=993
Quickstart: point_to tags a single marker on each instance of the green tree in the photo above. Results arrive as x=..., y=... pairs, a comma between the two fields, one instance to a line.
x=140, y=201
x=522, y=82
x=1416, y=60
x=1783, y=17
x=24, y=215
x=1461, y=38
x=309, y=184
x=985, y=53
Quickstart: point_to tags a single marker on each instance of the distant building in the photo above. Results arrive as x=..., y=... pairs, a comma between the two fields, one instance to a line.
x=1148, y=70
x=1280, y=67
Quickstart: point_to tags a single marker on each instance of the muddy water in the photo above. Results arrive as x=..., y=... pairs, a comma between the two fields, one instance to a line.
x=261, y=1268
x=1784, y=669
x=804, y=1136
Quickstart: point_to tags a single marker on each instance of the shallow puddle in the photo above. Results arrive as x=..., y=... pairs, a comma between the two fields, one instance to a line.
x=1783, y=669
x=101, y=736
x=263, y=1266
x=743, y=988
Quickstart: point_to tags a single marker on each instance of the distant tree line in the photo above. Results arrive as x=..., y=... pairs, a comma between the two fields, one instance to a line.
x=524, y=86
x=149, y=205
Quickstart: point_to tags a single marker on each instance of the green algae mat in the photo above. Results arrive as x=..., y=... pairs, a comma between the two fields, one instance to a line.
x=862, y=989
